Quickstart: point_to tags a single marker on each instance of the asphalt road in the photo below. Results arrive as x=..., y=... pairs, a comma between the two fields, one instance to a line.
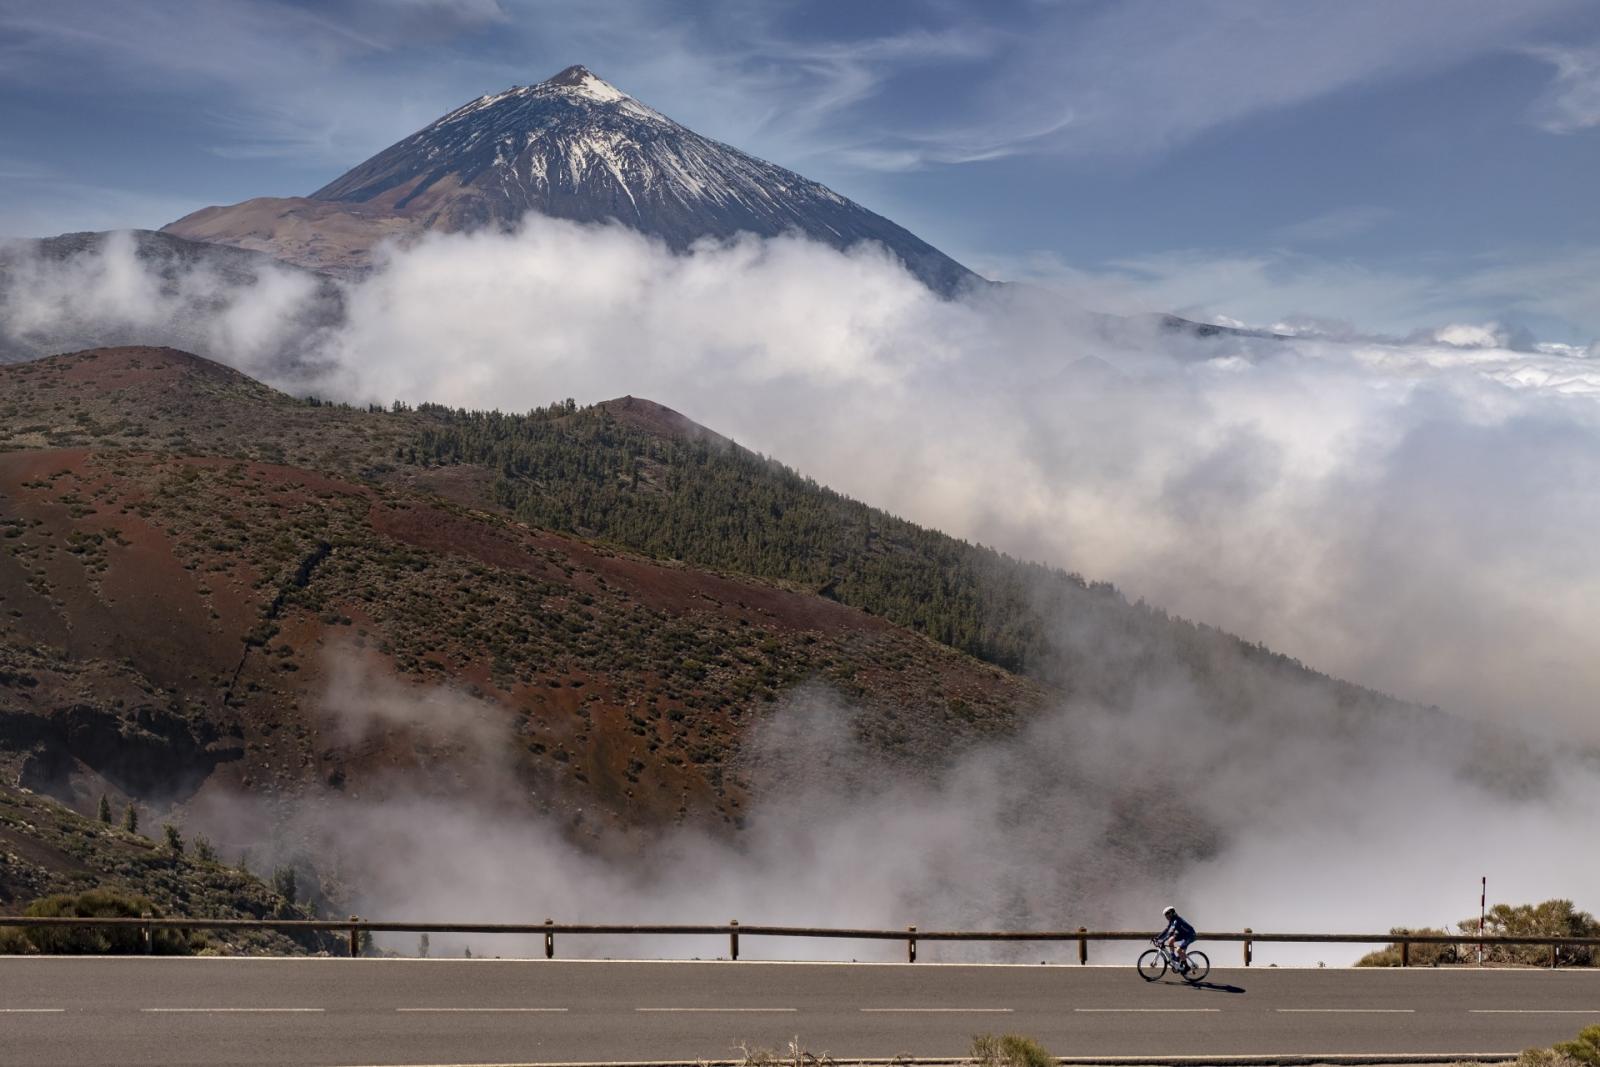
x=140, y=1011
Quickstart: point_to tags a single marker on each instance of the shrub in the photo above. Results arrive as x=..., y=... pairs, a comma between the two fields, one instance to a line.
x=1009, y=1050
x=283, y=881
x=796, y=1055
x=1544, y=1057
x=1421, y=955
x=106, y=940
x=204, y=850
x=174, y=839
x=1553, y=918
x=1585, y=1049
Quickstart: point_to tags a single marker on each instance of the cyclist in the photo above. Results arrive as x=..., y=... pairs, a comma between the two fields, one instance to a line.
x=1178, y=935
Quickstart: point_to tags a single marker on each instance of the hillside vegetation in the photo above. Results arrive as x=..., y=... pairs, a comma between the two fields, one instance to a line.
x=210, y=589
x=1553, y=918
x=203, y=582
x=641, y=476
x=54, y=861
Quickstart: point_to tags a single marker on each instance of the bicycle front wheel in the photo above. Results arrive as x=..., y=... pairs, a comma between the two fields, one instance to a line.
x=1152, y=965
x=1199, y=967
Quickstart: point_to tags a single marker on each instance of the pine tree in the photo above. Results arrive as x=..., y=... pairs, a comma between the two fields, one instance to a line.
x=130, y=818
x=105, y=809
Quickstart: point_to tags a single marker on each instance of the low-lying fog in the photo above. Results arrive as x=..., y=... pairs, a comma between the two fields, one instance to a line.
x=1415, y=515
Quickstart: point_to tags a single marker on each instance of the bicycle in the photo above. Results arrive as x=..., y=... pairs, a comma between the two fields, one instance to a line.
x=1155, y=962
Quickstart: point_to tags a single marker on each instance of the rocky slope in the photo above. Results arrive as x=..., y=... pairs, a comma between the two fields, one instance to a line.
x=204, y=583
x=48, y=850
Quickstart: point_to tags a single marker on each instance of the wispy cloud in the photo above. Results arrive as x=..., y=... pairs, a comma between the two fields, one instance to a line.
x=1335, y=225
x=950, y=84
x=276, y=79
x=1572, y=102
x=1132, y=78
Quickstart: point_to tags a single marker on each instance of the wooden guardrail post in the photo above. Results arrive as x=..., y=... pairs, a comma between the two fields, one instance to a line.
x=549, y=941
x=355, y=937
x=1247, y=946
x=1405, y=950
x=147, y=935
x=1554, y=952
x=733, y=939
x=1083, y=946
x=911, y=944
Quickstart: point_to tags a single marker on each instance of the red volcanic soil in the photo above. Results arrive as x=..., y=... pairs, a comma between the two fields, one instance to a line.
x=206, y=586
x=661, y=586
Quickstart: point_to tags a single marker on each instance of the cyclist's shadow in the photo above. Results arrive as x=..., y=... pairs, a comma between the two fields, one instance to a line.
x=1216, y=987
x=1213, y=987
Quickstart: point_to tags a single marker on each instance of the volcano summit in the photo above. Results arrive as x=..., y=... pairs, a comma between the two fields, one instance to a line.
x=572, y=147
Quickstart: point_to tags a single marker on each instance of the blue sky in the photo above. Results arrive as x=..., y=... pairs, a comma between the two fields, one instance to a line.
x=1370, y=166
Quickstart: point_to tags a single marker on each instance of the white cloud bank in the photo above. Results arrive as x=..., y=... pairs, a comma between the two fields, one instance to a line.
x=1413, y=515
x=1416, y=515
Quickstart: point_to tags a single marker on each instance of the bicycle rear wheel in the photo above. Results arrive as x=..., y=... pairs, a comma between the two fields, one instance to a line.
x=1152, y=965
x=1199, y=967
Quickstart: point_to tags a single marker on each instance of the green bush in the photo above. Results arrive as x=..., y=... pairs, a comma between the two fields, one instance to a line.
x=1553, y=918
x=1009, y=1050
x=96, y=941
x=1421, y=955
x=1585, y=1049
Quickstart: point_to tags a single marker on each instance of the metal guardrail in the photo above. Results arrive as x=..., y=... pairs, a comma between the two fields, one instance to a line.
x=355, y=926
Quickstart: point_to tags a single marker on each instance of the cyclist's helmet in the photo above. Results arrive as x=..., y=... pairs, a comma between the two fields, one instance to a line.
x=1169, y=911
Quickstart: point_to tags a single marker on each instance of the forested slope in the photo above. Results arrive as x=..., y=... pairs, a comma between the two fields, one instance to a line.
x=641, y=476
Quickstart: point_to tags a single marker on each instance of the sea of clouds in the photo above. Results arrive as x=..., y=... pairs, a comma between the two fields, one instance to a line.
x=1414, y=514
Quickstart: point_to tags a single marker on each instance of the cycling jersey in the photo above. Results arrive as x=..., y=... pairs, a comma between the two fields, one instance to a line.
x=1185, y=932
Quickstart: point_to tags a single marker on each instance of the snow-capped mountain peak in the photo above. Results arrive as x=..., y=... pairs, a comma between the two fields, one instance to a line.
x=575, y=147
x=579, y=79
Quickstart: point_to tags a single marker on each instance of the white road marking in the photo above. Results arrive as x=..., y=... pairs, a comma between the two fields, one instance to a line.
x=481, y=1009
x=716, y=1009
x=1345, y=1011
x=958, y=1011
x=1533, y=1011
x=31, y=1011
x=1174, y=1011
x=227, y=1011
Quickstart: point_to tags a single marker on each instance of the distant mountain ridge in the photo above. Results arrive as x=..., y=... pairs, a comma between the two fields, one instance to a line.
x=571, y=147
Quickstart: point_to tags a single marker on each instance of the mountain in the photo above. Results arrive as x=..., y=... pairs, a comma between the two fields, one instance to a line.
x=572, y=147
x=244, y=610
x=203, y=582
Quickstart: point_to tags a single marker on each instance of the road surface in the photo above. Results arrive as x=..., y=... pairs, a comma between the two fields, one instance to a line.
x=134, y=1011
